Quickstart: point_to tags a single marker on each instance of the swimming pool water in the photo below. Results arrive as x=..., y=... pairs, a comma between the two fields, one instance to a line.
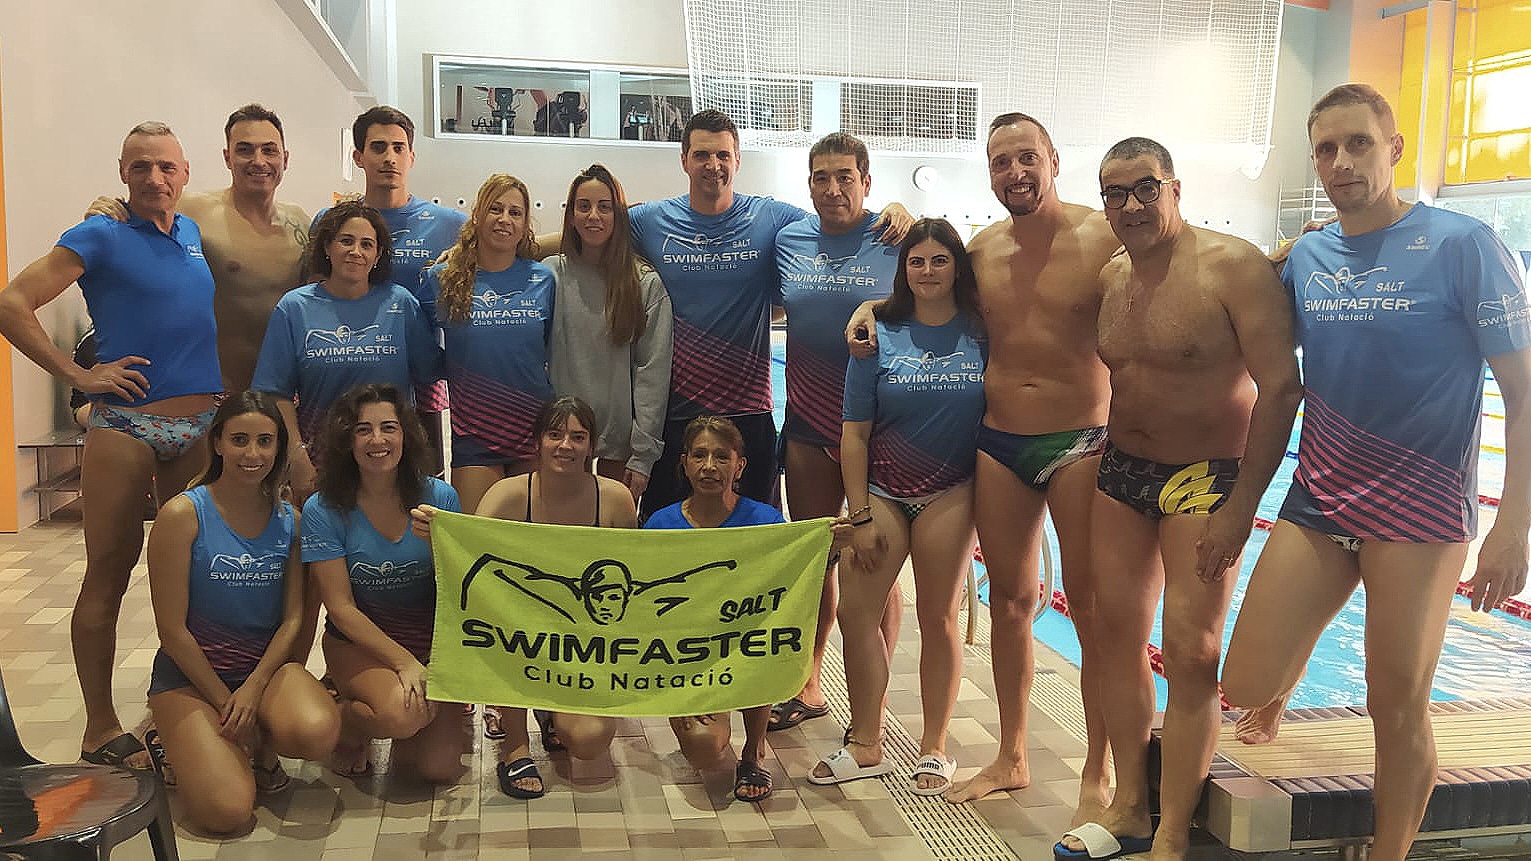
x=1485, y=655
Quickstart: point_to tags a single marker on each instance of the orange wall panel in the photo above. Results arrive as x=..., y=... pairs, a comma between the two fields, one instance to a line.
x=8, y=513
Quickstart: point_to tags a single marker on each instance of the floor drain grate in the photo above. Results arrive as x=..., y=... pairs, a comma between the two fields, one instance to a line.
x=954, y=831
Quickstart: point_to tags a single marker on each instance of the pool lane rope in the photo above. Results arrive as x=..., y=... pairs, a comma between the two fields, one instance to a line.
x=1513, y=606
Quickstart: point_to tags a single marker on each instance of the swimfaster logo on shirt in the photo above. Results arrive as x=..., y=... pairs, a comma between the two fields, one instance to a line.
x=1507, y=309
x=1346, y=296
x=825, y=273
x=247, y=570
x=388, y=575
x=934, y=373
x=407, y=246
x=505, y=309
x=702, y=251
x=344, y=344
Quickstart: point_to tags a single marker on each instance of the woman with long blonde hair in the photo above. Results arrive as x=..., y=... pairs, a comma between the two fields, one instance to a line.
x=494, y=304
x=611, y=329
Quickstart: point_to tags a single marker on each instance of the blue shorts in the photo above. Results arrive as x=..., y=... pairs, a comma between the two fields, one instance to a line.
x=167, y=676
x=471, y=451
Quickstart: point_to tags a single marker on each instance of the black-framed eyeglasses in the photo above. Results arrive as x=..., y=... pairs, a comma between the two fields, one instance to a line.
x=1146, y=190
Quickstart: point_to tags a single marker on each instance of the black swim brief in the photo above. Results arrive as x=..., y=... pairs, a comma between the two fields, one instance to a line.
x=1156, y=490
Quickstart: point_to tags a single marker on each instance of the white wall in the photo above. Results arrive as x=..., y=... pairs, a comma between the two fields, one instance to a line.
x=78, y=74
x=652, y=32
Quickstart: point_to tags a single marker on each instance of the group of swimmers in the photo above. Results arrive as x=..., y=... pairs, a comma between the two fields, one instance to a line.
x=1128, y=373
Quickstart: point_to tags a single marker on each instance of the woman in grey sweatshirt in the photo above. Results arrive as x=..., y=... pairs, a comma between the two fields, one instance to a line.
x=611, y=339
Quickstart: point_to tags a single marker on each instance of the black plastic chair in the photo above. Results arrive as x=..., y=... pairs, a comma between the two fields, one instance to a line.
x=75, y=811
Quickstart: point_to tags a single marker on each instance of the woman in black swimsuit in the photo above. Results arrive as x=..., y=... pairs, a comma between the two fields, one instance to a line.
x=560, y=490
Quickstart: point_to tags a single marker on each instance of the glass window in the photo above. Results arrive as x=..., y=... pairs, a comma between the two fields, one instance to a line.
x=1508, y=214
x=654, y=107
x=504, y=100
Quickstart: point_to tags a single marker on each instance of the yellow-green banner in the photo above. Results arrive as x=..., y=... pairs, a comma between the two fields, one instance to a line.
x=629, y=622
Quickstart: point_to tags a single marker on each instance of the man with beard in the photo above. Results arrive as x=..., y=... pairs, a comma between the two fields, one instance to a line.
x=1042, y=435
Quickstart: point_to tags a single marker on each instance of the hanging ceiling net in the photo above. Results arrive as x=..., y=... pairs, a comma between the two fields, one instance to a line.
x=925, y=76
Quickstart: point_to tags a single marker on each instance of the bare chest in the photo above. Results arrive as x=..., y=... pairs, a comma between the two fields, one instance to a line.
x=1175, y=322
x=1021, y=298
x=265, y=258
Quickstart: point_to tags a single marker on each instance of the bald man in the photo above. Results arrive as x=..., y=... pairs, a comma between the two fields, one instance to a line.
x=253, y=242
x=150, y=293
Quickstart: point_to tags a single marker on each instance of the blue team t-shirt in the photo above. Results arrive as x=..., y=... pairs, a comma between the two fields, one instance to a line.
x=747, y=512
x=319, y=346
x=392, y=582
x=420, y=231
x=235, y=596
x=923, y=393
x=1395, y=325
x=720, y=271
x=824, y=278
x=496, y=361
x=150, y=294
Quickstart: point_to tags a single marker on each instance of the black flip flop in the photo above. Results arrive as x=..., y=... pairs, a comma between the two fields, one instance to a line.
x=786, y=715
x=115, y=753
x=550, y=740
x=750, y=774
x=521, y=769
x=158, y=758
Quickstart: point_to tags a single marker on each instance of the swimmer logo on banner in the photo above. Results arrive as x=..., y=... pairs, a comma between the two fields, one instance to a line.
x=623, y=622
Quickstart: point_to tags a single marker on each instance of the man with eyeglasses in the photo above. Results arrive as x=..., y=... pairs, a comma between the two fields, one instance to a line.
x=1042, y=434
x=1197, y=333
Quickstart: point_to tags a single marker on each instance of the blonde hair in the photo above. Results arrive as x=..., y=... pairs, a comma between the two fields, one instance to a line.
x=462, y=258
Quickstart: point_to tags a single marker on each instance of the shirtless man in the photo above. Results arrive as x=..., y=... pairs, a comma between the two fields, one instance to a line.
x=149, y=291
x=1197, y=333
x=253, y=242
x=1389, y=277
x=1042, y=435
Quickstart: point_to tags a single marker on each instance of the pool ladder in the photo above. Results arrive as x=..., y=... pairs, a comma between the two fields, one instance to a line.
x=1048, y=583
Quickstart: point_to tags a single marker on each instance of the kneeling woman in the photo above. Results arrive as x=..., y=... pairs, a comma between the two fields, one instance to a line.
x=712, y=461
x=378, y=584
x=227, y=588
x=907, y=455
x=559, y=490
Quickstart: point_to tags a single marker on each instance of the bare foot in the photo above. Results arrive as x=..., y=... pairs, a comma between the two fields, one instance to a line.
x=1087, y=811
x=998, y=776
x=1166, y=849
x=1094, y=798
x=351, y=758
x=1260, y=726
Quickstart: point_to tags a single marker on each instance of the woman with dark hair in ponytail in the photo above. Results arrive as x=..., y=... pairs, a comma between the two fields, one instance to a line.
x=227, y=586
